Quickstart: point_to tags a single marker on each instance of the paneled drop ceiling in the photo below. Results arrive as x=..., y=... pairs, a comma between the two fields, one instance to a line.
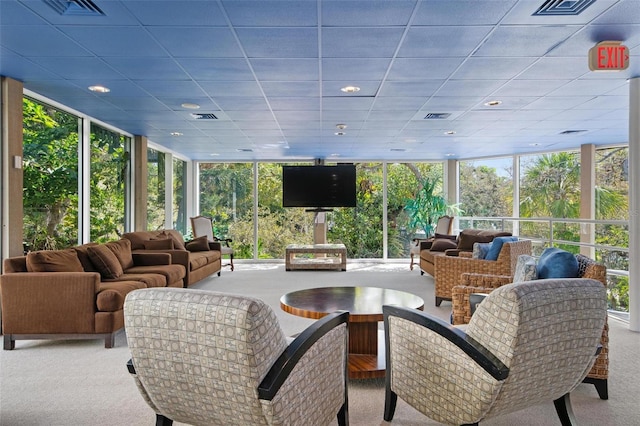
x=267, y=75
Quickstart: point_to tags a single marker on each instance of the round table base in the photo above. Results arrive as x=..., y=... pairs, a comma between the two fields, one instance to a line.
x=368, y=366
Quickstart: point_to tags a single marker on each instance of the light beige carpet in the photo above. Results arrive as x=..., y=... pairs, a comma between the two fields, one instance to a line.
x=81, y=383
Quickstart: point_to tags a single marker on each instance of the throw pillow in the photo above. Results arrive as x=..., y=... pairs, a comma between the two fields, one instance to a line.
x=178, y=244
x=105, y=261
x=480, y=250
x=469, y=236
x=83, y=257
x=198, y=244
x=466, y=239
x=446, y=236
x=442, y=244
x=165, y=244
x=53, y=261
x=557, y=263
x=496, y=247
x=122, y=250
x=526, y=269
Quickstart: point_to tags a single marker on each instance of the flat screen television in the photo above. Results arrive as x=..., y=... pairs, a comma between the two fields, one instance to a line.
x=319, y=186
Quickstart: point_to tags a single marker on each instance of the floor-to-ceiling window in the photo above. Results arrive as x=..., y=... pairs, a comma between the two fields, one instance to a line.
x=156, y=191
x=360, y=228
x=109, y=180
x=486, y=190
x=226, y=196
x=550, y=188
x=50, y=173
x=278, y=226
x=404, y=183
x=612, y=203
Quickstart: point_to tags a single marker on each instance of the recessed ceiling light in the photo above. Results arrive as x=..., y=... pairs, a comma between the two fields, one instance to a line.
x=450, y=132
x=410, y=140
x=335, y=154
x=341, y=126
x=493, y=103
x=99, y=89
x=189, y=105
x=450, y=154
x=176, y=134
x=214, y=154
x=339, y=133
x=350, y=89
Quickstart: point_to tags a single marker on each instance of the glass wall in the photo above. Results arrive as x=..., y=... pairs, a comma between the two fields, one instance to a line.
x=486, y=189
x=179, y=202
x=226, y=196
x=109, y=180
x=50, y=173
x=404, y=182
x=156, y=190
x=360, y=228
x=612, y=202
x=550, y=187
x=278, y=226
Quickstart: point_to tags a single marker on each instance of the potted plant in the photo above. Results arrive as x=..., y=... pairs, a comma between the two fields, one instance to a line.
x=425, y=209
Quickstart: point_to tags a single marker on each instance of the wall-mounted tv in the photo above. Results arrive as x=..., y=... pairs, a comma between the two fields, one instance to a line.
x=319, y=186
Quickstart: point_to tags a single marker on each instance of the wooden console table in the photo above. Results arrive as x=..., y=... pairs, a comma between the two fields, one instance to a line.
x=323, y=256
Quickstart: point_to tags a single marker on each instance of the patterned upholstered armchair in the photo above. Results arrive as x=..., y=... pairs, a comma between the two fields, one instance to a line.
x=449, y=269
x=486, y=283
x=462, y=376
x=207, y=358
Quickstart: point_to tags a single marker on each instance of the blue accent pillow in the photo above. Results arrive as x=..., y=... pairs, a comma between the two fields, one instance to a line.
x=480, y=250
x=496, y=246
x=557, y=263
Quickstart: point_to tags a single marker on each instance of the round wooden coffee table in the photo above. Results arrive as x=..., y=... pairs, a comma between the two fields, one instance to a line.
x=366, y=342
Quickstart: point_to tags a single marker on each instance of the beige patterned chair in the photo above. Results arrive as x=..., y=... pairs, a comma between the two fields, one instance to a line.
x=203, y=226
x=461, y=376
x=448, y=269
x=208, y=358
x=486, y=283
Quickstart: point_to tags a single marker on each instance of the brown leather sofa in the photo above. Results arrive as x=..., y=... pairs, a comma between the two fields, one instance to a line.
x=199, y=257
x=449, y=245
x=77, y=293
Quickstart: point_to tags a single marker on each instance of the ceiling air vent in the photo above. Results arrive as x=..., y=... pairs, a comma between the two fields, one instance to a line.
x=437, y=115
x=75, y=7
x=572, y=132
x=204, y=116
x=562, y=7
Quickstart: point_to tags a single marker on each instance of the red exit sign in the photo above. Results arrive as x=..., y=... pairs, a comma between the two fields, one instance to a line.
x=609, y=56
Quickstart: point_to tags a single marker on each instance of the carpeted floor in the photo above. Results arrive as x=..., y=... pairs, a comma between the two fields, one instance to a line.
x=81, y=383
